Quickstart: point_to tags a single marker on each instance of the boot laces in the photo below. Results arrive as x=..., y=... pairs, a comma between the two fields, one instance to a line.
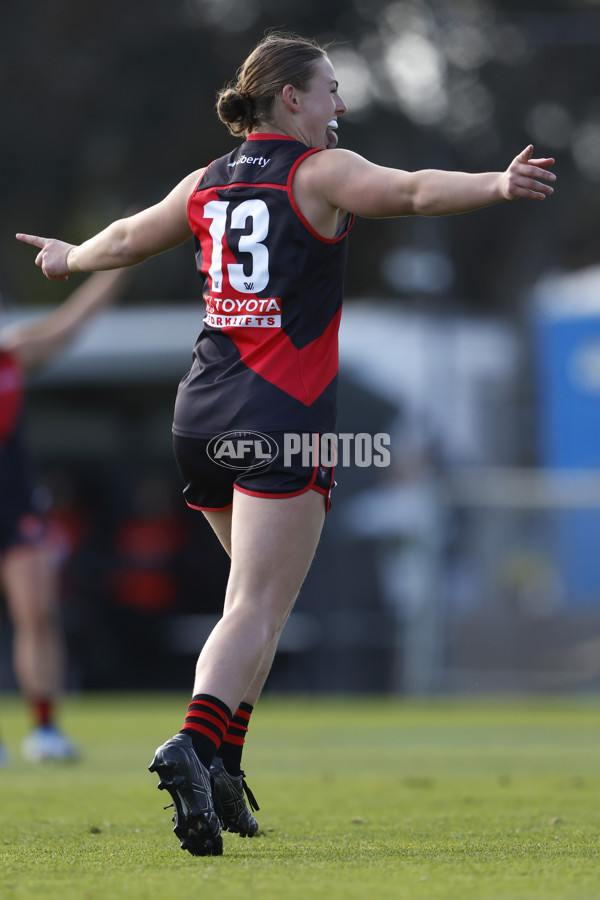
x=249, y=795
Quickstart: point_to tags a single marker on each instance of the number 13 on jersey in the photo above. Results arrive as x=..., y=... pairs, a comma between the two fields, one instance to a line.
x=240, y=279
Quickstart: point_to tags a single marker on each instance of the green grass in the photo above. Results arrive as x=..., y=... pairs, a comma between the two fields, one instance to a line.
x=360, y=798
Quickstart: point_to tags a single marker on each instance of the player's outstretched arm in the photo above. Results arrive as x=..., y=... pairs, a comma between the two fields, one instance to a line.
x=123, y=243
x=37, y=342
x=353, y=183
x=437, y=193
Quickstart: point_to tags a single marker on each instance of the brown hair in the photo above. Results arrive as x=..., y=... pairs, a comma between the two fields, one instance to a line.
x=279, y=59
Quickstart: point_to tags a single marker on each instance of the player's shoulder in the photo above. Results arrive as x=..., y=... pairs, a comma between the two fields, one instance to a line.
x=190, y=182
x=335, y=160
x=328, y=166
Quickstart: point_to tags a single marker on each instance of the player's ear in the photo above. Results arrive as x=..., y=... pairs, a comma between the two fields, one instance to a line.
x=290, y=98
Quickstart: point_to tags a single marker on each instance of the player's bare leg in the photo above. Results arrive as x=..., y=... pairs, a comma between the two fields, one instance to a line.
x=272, y=546
x=221, y=523
x=271, y=543
x=30, y=581
x=29, y=576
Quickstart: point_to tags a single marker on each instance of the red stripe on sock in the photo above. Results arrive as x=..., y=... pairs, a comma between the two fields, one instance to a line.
x=230, y=739
x=236, y=732
x=205, y=717
x=200, y=705
x=193, y=726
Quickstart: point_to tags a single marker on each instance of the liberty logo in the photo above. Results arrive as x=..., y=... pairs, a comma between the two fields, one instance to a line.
x=249, y=160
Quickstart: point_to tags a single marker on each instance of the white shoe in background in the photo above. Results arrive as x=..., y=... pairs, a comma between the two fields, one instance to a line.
x=48, y=743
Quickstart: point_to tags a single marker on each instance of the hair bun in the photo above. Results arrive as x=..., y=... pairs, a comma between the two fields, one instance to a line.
x=235, y=110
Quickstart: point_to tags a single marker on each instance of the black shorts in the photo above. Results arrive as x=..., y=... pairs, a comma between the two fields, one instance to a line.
x=21, y=524
x=254, y=463
x=23, y=507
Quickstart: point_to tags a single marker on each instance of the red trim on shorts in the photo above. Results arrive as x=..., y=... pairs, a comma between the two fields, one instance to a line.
x=272, y=496
x=209, y=508
x=326, y=494
x=275, y=495
x=310, y=487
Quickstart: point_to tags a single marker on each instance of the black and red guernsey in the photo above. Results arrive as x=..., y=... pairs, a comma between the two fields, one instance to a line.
x=267, y=357
x=15, y=470
x=11, y=395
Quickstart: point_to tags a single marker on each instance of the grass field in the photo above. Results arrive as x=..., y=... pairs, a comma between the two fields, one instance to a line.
x=360, y=798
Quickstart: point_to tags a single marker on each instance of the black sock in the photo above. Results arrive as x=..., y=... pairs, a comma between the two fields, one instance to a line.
x=206, y=723
x=232, y=746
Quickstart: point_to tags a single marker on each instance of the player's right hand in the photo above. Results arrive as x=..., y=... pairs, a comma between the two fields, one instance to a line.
x=52, y=258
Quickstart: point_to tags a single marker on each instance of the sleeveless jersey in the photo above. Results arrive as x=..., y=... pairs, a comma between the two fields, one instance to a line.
x=16, y=481
x=267, y=357
x=11, y=394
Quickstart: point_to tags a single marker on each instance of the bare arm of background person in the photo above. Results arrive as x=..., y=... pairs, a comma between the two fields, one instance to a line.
x=37, y=342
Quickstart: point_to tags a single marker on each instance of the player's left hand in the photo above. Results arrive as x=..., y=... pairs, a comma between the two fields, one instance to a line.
x=527, y=177
x=52, y=258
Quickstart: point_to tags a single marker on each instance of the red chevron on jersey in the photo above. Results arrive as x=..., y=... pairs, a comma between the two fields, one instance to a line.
x=303, y=374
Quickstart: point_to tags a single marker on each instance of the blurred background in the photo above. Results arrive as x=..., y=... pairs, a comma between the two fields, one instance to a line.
x=471, y=563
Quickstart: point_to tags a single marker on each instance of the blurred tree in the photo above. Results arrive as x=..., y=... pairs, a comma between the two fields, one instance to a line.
x=108, y=105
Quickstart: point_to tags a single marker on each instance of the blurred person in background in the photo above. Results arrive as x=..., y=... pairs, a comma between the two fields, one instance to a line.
x=146, y=547
x=29, y=565
x=270, y=222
